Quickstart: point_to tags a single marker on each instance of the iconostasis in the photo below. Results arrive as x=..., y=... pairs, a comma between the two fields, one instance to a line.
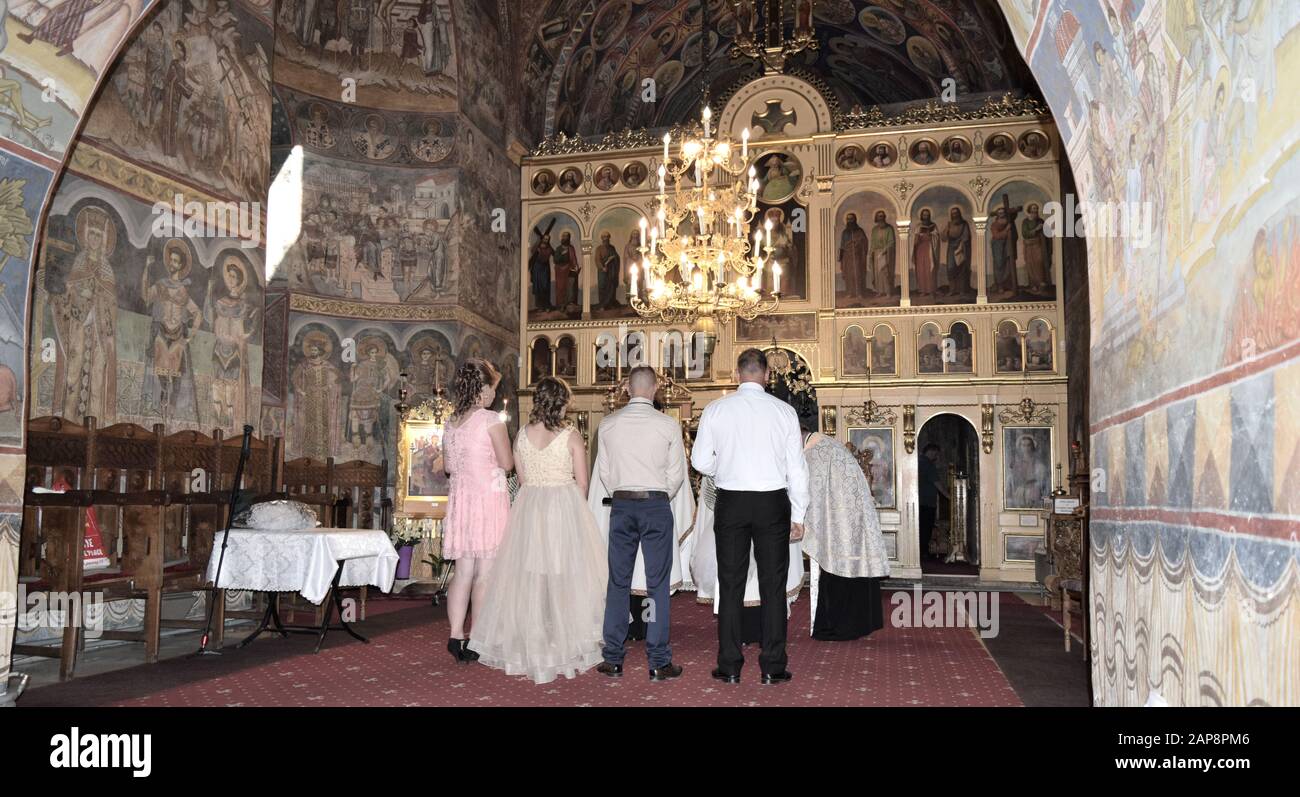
x=919, y=272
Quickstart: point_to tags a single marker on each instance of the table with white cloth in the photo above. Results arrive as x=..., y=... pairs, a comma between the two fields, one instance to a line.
x=315, y=562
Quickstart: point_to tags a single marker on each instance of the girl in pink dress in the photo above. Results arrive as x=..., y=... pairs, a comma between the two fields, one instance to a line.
x=477, y=456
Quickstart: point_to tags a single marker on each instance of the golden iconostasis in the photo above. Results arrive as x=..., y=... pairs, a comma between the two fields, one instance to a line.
x=919, y=273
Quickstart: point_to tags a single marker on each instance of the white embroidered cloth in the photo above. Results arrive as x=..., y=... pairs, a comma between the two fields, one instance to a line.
x=304, y=560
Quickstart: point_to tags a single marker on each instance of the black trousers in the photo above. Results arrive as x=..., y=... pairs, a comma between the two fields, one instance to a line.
x=927, y=518
x=760, y=520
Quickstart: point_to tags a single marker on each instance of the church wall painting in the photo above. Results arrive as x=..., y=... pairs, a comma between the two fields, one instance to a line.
x=401, y=55
x=1020, y=256
x=554, y=282
x=617, y=235
x=22, y=189
x=391, y=138
x=141, y=328
x=1026, y=466
x=1183, y=108
x=876, y=445
x=866, y=253
x=481, y=53
x=789, y=246
x=344, y=378
x=190, y=96
x=940, y=245
x=60, y=46
x=374, y=234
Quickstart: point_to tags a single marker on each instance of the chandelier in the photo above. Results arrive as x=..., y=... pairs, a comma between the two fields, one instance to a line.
x=762, y=33
x=698, y=260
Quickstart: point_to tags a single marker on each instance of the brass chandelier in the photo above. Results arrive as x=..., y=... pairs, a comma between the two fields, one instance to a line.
x=697, y=259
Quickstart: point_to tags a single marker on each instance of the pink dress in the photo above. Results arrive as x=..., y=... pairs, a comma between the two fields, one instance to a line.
x=478, y=502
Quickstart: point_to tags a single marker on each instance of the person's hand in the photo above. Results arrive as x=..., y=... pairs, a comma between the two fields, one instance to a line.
x=796, y=532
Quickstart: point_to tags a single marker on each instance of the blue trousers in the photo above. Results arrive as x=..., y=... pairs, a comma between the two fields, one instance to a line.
x=648, y=525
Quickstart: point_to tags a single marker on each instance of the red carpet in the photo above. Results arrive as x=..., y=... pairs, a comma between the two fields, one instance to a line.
x=406, y=664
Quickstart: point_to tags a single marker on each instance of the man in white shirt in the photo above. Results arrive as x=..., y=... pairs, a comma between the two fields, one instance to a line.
x=750, y=443
x=642, y=461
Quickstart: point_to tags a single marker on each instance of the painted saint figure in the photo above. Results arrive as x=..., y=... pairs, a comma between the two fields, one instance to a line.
x=957, y=237
x=317, y=393
x=1002, y=236
x=539, y=272
x=925, y=255
x=566, y=271
x=881, y=254
x=233, y=321
x=176, y=317
x=371, y=378
x=854, y=246
x=1038, y=250
x=85, y=318
x=608, y=263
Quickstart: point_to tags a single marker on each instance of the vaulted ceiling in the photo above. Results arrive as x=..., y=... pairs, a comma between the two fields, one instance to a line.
x=586, y=60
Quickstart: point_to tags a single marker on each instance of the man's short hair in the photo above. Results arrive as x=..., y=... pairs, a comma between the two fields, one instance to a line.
x=751, y=362
x=642, y=376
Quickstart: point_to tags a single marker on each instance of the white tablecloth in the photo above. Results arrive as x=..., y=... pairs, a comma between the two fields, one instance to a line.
x=304, y=560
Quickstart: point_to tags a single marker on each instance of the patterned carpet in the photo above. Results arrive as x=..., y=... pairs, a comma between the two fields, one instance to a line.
x=406, y=664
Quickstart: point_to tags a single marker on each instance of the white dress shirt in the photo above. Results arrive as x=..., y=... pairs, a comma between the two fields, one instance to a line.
x=750, y=440
x=640, y=448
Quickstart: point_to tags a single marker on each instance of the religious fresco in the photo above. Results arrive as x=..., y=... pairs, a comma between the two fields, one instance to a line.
x=345, y=376
x=140, y=328
x=1020, y=251
x=375, y=234
x=941, y=255
x=554, y=268
x=190, y=96
x=866, y=252
x=482, y=80
x=342, y=130
x=1178, y=114
x=589, y=81
x=63, y=47
x=618, y=238
x=401, y=54
x=22, y=187
x=788, y=239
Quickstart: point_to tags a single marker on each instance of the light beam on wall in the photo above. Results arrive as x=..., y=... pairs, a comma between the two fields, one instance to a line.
x=284, y=216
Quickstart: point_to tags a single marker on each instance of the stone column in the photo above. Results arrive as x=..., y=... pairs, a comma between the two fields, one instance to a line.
x=979, y=259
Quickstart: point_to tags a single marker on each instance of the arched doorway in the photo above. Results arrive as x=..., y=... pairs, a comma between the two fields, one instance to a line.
x=948, y=481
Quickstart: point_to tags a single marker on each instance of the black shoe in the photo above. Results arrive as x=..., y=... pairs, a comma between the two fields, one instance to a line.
x=666, y=672
x=610, y=669
x=456, y=647
x=470, y=655
x=777, y=677
x=725, y=677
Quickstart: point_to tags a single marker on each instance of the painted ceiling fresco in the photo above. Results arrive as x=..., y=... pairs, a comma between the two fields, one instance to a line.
x=587, y=60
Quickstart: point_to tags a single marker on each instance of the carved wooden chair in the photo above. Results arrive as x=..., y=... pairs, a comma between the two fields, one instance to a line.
x=1066, y=545
x=110, y=474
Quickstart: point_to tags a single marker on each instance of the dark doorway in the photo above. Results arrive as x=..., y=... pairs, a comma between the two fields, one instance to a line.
x=951, y=446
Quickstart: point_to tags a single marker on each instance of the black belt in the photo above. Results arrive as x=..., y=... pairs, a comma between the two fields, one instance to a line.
x=639, y=495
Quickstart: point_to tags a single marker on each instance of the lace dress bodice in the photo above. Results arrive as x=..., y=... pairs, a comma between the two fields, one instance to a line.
x=550, y=466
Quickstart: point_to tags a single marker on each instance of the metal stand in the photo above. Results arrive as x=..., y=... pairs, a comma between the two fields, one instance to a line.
x=333, y=603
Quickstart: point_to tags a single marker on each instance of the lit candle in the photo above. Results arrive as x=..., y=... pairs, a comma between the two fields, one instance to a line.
x=767, y=225
x=744, y=144
x=666, y=138
x=707, y=114
x=776, y=278
x=634, y=279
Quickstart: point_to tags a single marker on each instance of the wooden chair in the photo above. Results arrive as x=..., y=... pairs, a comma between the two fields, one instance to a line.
x=1067, y=582
x=360, y=486
x=111, y=473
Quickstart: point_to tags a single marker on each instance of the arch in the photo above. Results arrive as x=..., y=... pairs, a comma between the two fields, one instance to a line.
x=541, y=358
x=884, y=361
x=1039, y=347
x=855, y=351
x=1008, y=349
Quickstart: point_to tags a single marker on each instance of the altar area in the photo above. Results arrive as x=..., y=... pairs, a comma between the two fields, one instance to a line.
x=904, y=351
